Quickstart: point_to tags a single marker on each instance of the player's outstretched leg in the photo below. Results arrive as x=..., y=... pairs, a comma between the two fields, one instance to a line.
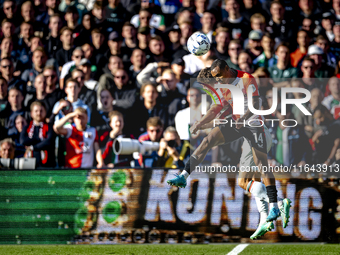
x=214, y=138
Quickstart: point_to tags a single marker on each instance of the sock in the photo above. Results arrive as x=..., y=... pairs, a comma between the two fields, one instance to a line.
x=262, y=207
x=191, y=164
x=185, y=174
x=272, y=193
x=259, y=191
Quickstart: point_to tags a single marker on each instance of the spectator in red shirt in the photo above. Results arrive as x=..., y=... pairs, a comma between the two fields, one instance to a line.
x=81, y=140
x=303, y=41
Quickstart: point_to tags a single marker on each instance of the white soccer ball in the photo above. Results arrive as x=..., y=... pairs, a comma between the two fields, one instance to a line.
x=198, y=44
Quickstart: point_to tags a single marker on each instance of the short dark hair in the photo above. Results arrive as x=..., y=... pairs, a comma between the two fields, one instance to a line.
x=221, y=64
x=205, y=76
x=72, y=80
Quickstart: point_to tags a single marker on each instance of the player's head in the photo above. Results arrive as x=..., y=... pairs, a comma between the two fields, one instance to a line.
x=154, y=126
x=220, y=69
x=81, y=118
x=205, y=77
x=116, y=122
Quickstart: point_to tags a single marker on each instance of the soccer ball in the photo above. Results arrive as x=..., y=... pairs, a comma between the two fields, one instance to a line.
x=198, y=44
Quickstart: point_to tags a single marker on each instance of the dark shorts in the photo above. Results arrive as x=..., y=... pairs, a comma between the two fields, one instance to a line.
x=255, y=135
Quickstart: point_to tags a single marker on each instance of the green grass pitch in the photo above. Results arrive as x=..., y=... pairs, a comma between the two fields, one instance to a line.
x=168, y=249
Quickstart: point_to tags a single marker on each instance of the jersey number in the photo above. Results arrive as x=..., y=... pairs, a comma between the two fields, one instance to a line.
x=259, y=138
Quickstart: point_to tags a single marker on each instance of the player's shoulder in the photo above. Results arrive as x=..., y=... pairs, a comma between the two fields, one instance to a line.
x=247, y=78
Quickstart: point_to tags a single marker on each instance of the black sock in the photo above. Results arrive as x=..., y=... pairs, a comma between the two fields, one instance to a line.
x=272, y=193
x=191, y=164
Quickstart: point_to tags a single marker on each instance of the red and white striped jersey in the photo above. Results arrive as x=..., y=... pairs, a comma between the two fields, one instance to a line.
x=80, y=147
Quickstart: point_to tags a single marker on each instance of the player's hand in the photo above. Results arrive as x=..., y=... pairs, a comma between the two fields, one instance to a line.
x=110, y=165
x=239, y=123
x=196, y=127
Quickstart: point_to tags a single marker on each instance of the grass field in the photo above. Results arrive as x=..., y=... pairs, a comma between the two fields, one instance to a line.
x=169, y=249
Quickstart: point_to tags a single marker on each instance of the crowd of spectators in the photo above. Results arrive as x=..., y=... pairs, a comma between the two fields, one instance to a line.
x=76, y=74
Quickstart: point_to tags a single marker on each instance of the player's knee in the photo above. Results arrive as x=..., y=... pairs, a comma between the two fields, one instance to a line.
x=205, y=143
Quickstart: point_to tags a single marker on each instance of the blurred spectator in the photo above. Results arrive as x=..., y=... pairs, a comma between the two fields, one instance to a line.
x=85, y=67
x=326, y=139
x=201, y=7
x=98, y=39
x=245, y=62
x=98, y=13
x=307, y=120
x=321, y=70
x=222, y=39
x=53, y=43
x=20, y=123
x=28, y=15
x=234, y=50
x=290, y=144
x=40, y=91
x=262, y=78
x=329, y=57
x=257, y=20
x=86, y=95
x=157, y=49
x=138, y=60
x=38, y=137
x=115, y=47
x=64, y=54
x=68, y=67
x=3, y=94
x=39, y=59
x=267, y=58
x=129, y=33
x=7, y=28
x=281, y=28
x=143, y=109
x=146, y=18
x=303, y=41
x=100, y=118
x=54, y=94
x=8, y=116
x=151, y=72
x=332, y=102
x=143, y=37
x=117, y=125
x=208, y=22
x=194, y=64
x=186, y=31
x=188, y=116
x=9, y=9
x=172, y=152
x=106, y=80
x=308, y=75
x=72, y=89
x=178, y=66
x=254, y=45
x=170, y=95
x=7, y=148
x=238, y=25
x=335, y=44
x=7, y=72
x=327, y=23
x=115, y=14
x=154, y=127
x=71, y=17
x=81, y=140
x=283, y=69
